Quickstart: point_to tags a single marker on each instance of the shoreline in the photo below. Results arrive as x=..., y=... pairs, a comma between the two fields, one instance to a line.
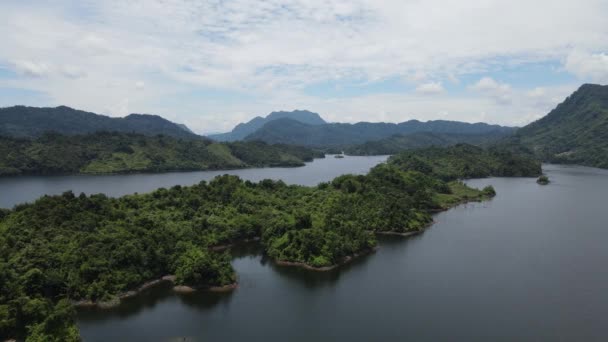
x=152, y=172
x=184, y=289
x=344, y=261
x=405, y=234
x=179, y=289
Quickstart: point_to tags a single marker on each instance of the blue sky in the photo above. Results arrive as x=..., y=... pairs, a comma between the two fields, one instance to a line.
x=212, y=64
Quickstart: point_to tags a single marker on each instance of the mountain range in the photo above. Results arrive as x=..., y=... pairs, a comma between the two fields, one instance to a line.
x=242, y=130
x=31, y=122
x=400, y=142
x=289, y=131
x=576, y=131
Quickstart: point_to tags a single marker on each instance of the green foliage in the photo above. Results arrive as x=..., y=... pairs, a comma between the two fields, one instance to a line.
x=489, y=191
x=70, y=247
x=104, y=152
x=543, y=180
x=57, y=326
x=466, y=161
x=402, y=142
x=575, y=132
x=198, y=266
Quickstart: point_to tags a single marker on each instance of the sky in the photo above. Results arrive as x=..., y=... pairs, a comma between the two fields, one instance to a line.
x=213, y=64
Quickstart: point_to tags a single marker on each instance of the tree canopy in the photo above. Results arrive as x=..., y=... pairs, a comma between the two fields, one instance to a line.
x=73, y=247
x=105, y=152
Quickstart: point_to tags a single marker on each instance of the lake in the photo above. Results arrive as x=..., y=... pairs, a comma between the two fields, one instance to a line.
x=529, y=265
x=15, y=190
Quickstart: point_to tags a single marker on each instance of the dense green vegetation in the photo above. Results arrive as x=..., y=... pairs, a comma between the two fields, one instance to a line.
x=104, y=152
x=543, y=180
x=288, y=131
x=75, y=247
x=466, y=161
x=21, y=121
x=242, y=130
x=575, y=132
x=401, y=142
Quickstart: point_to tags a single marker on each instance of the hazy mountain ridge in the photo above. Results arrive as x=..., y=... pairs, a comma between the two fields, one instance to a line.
x=398, y=143
x=242, y=130
x=288, y=131
x=30, y=122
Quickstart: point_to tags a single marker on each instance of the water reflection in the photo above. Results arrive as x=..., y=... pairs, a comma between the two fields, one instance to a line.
x=205, y=300
x=527, y=266
x=145, y=300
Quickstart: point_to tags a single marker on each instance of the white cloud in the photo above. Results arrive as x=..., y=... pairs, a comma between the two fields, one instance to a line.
x=31, y=69
x=417, y=77
x=500, y=92
x=277, y=48
x=139, y=85
x=430, y=88
x=537, y=92
x=72, y=71
x=592, y=66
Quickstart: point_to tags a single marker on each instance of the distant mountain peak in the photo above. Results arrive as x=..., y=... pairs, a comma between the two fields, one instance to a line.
x=304, y=116
x=242, y=130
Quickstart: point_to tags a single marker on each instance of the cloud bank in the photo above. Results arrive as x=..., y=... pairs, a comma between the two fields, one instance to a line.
x=211, y=64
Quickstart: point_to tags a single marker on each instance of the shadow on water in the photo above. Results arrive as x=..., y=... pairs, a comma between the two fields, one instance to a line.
x=307, y=278
x=145, y=300
x=205, y=300
x=398, y=240
x=150, y=298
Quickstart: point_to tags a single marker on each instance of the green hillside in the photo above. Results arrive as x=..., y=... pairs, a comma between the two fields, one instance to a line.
x=22, y=121
x=576, y=131
x=121, y=152
x=399, y=143
x=467, y=161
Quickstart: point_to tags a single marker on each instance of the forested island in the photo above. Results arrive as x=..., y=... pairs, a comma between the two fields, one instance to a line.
x=113, y=152
x=67, y=248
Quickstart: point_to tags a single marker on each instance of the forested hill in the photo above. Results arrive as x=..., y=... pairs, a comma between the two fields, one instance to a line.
x=21, y=121
x=402, y=142
x=464, y=161
x=288, y=131
x=105, y=152
x=576, y=131
x=244, y=129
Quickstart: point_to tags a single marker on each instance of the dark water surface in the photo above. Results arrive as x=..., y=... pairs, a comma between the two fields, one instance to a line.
x=15, y=190
x=530, y=265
